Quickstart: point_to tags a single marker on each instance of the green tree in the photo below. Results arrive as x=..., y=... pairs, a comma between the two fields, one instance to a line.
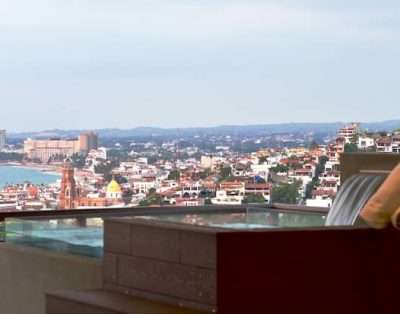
x=207, y=201
x=254, y=198
x=320, y=168
x=78, y=160
x=315, y=181
x=287, y=193
x=354, y=139
x=120, y=179
x=151, y=199
x=106, y=168
x=205, y=173
x=225, y=172
x=174, y=175
x=280, y=168
x=350, y=148
x=127, y=196
x=262, y=160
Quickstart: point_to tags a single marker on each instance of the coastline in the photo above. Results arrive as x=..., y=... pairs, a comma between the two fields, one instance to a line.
x=47, y=169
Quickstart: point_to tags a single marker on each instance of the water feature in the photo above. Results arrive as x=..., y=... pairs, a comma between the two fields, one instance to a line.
x=351, y=198
x=84, y=236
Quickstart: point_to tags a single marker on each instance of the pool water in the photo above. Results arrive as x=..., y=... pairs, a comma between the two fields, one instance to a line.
x=251, y=219
x=84, y=236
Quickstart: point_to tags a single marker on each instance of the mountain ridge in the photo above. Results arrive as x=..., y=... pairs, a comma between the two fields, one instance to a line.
x=243, y=130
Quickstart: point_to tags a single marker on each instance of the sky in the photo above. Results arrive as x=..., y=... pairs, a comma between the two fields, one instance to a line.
x=89, y=64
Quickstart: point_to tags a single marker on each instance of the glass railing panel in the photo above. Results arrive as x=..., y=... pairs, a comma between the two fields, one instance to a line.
x=83, y=236
x=2, y=231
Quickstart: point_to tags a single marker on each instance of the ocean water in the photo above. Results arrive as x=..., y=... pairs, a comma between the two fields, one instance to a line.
x=14, y=175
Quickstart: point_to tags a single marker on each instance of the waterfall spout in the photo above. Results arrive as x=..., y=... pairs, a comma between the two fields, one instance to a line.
x=352, y=196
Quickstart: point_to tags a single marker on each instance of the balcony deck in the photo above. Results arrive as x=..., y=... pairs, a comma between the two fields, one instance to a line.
x=283, y=271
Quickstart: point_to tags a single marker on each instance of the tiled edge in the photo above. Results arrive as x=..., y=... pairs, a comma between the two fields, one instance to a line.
x=117, y=237
x=159, y=262
x=208, y=308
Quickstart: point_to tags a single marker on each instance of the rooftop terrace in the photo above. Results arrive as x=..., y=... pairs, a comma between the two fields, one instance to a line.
x=229, y=259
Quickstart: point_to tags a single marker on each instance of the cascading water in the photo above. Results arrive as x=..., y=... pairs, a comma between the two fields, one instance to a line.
x=351, y=198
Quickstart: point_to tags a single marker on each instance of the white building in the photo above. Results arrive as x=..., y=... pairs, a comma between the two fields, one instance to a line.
x=142, y=160
x=207, y=162
x=261, y=170
x=303, y=175
x=319, y=202
x=100, y=153
x=365, y=142
x=396, y=143
x=223, y=198
x=229, y=193
x=191, y=189
x=384, y=145
x=144, y=186
x=332, y=166
x=349, y=132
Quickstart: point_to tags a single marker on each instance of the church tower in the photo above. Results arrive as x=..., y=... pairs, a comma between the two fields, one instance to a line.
x=68, y=194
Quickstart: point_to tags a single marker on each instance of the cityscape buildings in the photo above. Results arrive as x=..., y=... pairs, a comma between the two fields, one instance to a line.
x=163, y=175
x=174, y=172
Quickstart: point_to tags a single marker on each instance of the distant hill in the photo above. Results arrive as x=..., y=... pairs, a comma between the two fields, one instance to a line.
x=242, y=130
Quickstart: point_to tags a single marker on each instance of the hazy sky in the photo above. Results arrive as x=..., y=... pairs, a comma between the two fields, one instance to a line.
x=178, y=63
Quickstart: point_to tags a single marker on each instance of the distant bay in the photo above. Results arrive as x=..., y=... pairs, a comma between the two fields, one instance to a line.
x=19, y=175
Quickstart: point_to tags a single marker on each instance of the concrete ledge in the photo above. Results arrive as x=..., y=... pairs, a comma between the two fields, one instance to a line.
x=105, y=302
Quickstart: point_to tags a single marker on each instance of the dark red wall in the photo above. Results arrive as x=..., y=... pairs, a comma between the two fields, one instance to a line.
x=329, y=271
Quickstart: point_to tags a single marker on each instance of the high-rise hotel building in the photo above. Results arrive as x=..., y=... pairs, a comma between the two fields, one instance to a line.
x=3, y=139
x=46, y=149
x=88, y=141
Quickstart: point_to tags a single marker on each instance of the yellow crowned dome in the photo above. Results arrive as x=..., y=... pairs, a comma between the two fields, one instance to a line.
x=113, y=187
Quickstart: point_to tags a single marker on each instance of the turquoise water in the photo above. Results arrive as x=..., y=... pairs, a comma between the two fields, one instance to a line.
x=15, y=175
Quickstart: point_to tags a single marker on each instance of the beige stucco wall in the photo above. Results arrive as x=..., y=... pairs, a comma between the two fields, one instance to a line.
x=352, y=163
x=27, y=273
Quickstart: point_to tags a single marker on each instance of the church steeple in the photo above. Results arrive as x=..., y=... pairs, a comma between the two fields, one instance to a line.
x=68, y=194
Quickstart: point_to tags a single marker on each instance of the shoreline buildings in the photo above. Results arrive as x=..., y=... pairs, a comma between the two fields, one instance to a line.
x=45, y=150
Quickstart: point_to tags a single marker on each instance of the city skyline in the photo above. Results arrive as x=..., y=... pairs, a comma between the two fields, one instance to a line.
x=96, y=64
